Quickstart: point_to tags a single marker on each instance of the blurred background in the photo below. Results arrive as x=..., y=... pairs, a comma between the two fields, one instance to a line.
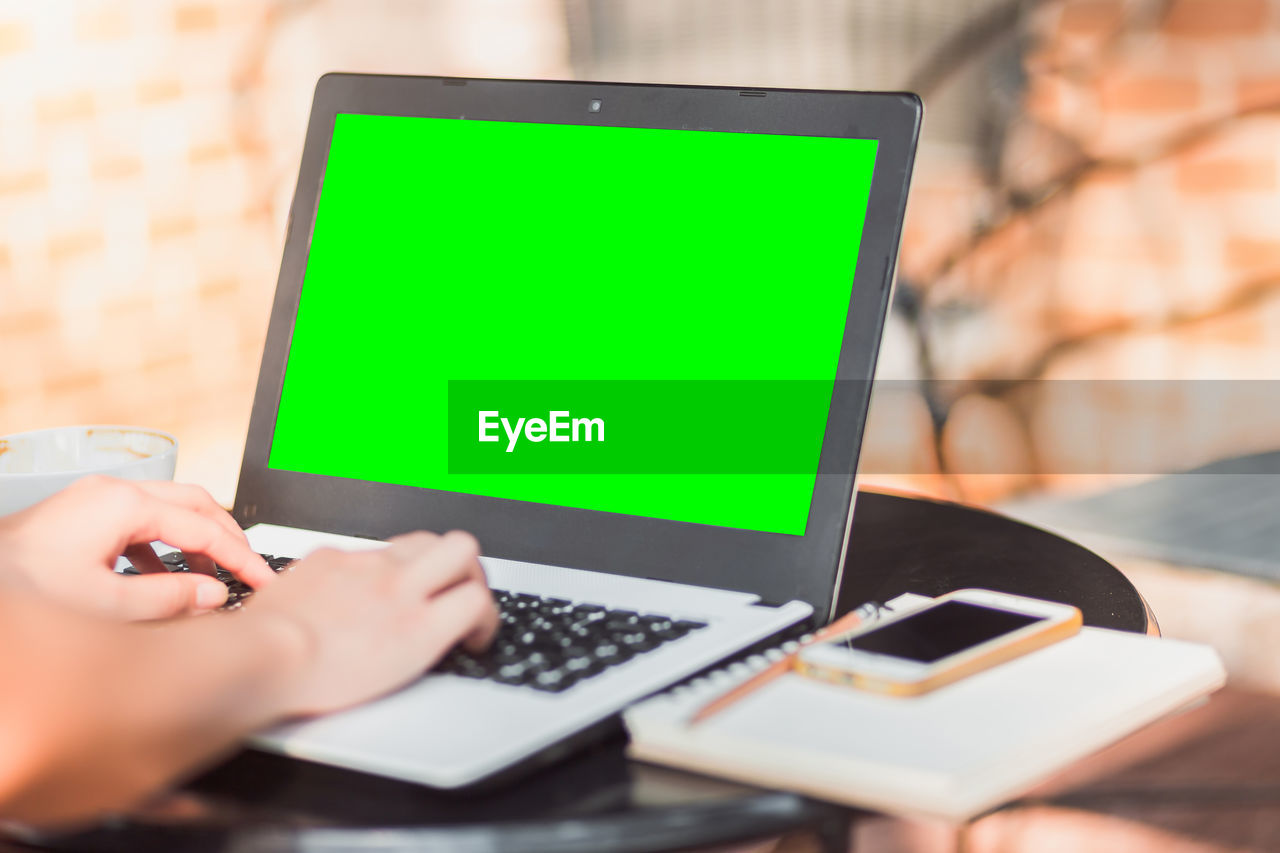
x=1096, y=207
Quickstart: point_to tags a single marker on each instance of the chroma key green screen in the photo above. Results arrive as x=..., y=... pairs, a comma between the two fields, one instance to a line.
x=688, y=290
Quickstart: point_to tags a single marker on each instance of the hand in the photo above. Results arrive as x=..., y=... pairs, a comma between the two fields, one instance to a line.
x=364, y=623
x=67, y=545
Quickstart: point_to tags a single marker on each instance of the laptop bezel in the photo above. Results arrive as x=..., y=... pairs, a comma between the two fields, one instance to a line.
x=777, y=567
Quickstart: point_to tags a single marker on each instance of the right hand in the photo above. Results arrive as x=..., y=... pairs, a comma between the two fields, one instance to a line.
x=361, y=624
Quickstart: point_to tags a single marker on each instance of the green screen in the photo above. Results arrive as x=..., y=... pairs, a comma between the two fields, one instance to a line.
x=690, y=288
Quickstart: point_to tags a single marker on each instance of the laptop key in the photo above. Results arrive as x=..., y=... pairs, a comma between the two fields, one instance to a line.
x=513, y=673
x=606, y=650
x=553, y=680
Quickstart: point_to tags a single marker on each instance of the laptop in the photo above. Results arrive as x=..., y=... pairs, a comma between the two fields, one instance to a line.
x=622, y=333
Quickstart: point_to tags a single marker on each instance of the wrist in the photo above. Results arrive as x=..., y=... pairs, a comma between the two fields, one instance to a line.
x=283, y=649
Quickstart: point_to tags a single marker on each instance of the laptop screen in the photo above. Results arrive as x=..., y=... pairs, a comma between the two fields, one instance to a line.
x=629, y=320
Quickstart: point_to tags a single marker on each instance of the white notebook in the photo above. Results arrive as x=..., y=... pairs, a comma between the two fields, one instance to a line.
x=954, y=753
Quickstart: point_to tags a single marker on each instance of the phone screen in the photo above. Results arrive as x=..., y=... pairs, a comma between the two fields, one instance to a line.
x=936, y=632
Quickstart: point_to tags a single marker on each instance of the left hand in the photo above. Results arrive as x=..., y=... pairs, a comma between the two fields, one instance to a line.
x=67, y=545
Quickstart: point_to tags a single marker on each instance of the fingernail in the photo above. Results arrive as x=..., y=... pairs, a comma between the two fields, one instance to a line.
x=210, y=595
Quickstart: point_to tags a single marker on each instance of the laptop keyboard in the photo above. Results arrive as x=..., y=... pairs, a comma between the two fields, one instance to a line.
x=551, y=644
x=543, y=642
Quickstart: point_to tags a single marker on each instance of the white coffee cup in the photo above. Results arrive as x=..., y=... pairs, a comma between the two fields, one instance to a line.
x=36, y=464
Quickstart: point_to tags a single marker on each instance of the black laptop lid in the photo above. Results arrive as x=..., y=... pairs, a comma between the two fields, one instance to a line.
x=615, y=327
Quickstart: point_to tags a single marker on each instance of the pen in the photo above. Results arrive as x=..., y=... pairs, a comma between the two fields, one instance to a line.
x=843, y=625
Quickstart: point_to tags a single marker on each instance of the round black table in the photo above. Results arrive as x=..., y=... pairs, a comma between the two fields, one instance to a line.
x=596, y=800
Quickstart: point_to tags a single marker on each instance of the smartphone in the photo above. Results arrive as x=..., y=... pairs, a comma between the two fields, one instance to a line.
x=961, y=633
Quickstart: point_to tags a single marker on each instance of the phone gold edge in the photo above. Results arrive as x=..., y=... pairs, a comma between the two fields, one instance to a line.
x=998, y=655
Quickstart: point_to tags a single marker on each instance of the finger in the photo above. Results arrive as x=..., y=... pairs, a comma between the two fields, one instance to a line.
x=193, y=533
x=162, y=596
x=200, y=564
x=254, y=571
x=193, y=498
x=143, y=558
x=463, y=612
x=437, y=564
x=408, y=546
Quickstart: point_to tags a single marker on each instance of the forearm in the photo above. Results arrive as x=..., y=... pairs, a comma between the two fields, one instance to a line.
x=96, y=714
